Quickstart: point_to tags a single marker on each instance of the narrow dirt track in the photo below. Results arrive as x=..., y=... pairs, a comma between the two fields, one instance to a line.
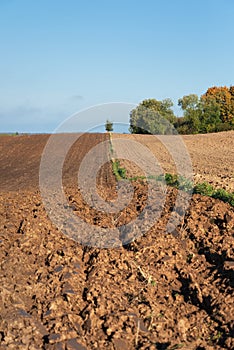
x=162, y=291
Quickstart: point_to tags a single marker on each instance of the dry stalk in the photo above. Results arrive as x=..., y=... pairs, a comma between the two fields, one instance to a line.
x=137, y=332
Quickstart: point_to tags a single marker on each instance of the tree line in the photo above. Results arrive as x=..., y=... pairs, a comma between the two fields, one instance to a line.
x=211, y=112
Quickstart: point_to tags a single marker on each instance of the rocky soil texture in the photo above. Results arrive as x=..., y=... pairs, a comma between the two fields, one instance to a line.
x=161, y=291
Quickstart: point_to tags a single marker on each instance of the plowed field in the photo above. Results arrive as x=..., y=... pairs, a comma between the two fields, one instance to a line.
x=160, y=291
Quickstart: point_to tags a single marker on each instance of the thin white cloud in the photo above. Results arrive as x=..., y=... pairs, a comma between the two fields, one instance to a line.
x=77, y=98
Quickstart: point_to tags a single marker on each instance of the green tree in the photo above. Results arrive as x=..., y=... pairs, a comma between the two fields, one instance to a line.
x=109, y=126
x=191, y=107
x=152, y=117
x=210, y=116
x=189, y=102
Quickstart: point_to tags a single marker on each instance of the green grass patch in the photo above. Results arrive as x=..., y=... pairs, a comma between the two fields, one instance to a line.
x=206, y=189
x=176, y=181
x=120, y=173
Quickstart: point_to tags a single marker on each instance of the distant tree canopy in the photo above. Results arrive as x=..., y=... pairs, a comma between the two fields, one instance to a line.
x=224, y=98
x=152, y=117
x=212, y=112
x=109, y=126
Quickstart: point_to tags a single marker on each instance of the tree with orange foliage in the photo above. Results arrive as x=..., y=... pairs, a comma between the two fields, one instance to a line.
x=224, y=98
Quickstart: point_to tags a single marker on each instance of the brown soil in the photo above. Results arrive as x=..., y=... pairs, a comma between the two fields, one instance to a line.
x=212, y=156
x=162, y=291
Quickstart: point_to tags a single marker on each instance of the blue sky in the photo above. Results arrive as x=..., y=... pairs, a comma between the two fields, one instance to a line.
x=59, y=57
